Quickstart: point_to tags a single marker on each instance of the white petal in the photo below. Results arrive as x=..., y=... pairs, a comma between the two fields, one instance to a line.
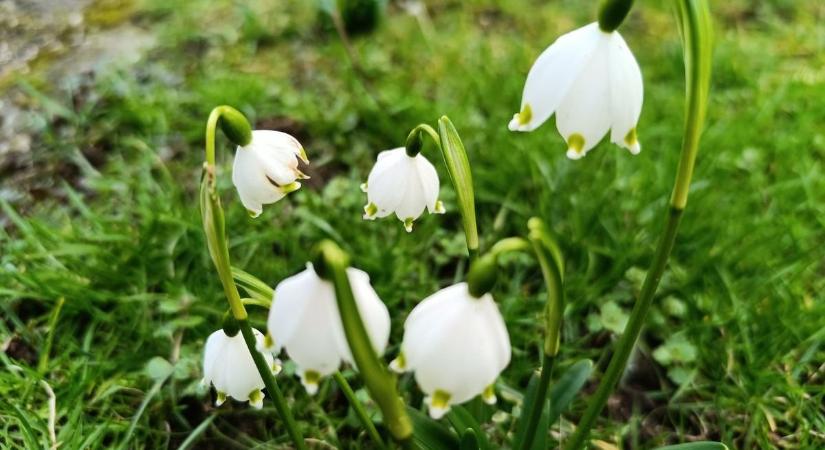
x=413, y=200
x=494, y=322
x=430, y=184
x=276, y=153
x=626, y=93
x=213, y=347
x=553, y=74
x=241, y=375
x=583, y=117
x=288, y=147
x=387, y=181
x=253, y=187
x=304, y=320
x=436, y=411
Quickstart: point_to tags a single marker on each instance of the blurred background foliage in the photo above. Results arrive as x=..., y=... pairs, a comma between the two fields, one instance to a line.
x=107, y=293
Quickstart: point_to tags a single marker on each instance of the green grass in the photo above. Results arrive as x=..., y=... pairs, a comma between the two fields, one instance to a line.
x=109, y=227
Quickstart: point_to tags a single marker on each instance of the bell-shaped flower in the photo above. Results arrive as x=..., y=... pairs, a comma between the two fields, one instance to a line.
x=591, y=81
x=402, y=184
x=229, y=367
x=266, y=169
x=457, y=345
x=304, y=320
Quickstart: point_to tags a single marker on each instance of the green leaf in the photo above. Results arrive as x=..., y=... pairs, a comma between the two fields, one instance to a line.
x=158, y=368
x=28, y=432
x=461, y=420
x=564, y=390
x=540, y=441
x=429, y=434
x=253, y=286
x=469, y=440
x=704, y=445
x=458, y=165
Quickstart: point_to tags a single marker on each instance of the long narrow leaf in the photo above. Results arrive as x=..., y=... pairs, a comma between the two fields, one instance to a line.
x=461, y=420
x=540, y=441
x=429, y=434
x=458, y=165
x=565, y=390
x=469, y=441
x=703, y=445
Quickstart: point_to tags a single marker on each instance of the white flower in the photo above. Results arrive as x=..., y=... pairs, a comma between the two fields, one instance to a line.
x=266, y=169
x=304, y=320
x=401, y=184
x=229, y=367
x=591, y=81
x=457, y=345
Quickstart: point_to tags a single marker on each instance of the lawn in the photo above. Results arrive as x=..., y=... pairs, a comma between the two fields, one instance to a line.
x=105, y=280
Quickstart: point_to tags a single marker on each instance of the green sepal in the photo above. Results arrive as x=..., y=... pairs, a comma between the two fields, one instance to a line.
x=230, y=324
x=482, y=275
x=235, y=126
x=612, y=13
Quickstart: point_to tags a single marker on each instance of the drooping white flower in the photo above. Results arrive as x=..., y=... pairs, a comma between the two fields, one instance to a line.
x=457, y=345
x=229, y=367
x=591, y=81
x=266, y=169
x=402, y=184
x=304, y=320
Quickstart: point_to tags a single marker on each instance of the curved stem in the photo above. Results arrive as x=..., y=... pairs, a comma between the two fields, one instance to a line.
x=415, y=143
x=551, y=263
x=534, y=415
x=215, y=228
x=359, y=409
x=271, y=385
x=380, y=383
x=695, y=26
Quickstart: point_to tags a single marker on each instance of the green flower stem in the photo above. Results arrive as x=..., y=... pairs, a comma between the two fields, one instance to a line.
x=271, y=385
x=484, y=269
x=380, y=383
x=509, y=245
x=549, y=258
x=612, y=13
x=359, y=409
x=215, y=228
x=534, y=415
x=415, y=140
x=631, y=333
x=696, y=34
